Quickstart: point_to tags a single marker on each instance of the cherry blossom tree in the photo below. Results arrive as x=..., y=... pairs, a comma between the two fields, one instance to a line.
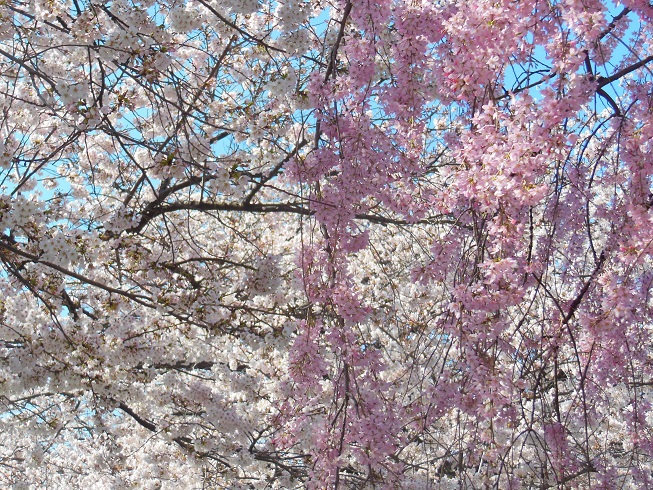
x=326, y=244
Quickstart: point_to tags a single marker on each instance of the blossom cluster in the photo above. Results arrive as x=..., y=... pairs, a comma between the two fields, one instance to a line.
x=297, y=244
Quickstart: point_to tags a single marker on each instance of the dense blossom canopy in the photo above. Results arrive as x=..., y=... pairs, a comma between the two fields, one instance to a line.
x=326, y=244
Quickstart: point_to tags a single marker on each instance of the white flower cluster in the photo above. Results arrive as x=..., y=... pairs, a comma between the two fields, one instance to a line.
x=244, y=7
x=46, y=10
x=18, y=213
x=5, y=158
x=84, y=28
x=297, y=41
x=283, y=84
x=120, y=221
x=58, y=250
x=72, y=93
x=267, y=278
x=222, y=182
x=293, y=13
x=184, y=18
